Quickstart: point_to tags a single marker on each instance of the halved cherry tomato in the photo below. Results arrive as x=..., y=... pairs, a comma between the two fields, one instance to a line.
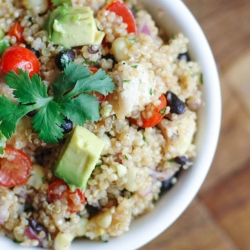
x=59, y=190
x=17, y=57
x=157, y=114
x=15, y=168
x=120, y=9
x=17, y=31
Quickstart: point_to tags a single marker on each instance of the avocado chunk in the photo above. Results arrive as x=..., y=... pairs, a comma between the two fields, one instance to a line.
x=70, y=27
x=78, y=158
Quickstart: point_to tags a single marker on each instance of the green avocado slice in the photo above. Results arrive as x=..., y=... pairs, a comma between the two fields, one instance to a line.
x=70, y=26
x=78, y=158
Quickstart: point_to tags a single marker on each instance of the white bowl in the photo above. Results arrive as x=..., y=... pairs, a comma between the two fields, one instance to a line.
x=176, y=18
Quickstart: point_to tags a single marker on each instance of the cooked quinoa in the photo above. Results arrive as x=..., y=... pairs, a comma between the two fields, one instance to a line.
x=137, y=164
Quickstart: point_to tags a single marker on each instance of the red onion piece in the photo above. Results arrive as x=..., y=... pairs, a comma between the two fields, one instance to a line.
x=145, y=30
x=146, y=191
x=32, y=235
x=162, y=176
x=194, y=105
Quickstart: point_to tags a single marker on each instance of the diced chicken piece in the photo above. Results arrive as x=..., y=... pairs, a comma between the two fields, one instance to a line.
x=134, y=85
x=178, y=133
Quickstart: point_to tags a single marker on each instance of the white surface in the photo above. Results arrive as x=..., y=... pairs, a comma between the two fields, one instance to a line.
x=177, y=18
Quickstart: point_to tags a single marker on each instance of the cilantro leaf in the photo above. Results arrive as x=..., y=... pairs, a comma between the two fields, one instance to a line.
x=61, y=86
x=27, y=90
x=78, y=112
x=10, y=114
x=70, y=100
x=74, y=72
x=47, y=122
x=60, y=2
x=99, y=82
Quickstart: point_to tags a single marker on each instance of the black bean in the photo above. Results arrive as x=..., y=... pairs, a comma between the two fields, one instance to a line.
x=92, y=210
x=36, y=226
x=93, y=49
x=36, y=52
x=182, y=160
x=63, y=57
x=184, y=57
x=168, y=184
x=67, y=126
x=176, y=105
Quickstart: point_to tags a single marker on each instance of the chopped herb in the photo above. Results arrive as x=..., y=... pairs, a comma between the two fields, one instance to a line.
x=151, y=91
x=17, y=241
x=3, y=46
x=171, y=160
x=76, y=104
x=162, y=112
x=102, y=240
x=43, y=178
x=98, y=166
x=132, y=40
x=129, y=197
x=173, y=37
x=126, y=81
x=90, y=63
x=201, y=78
x=134, y=66
x=27, y=206
x=134, y=9
x=125, y=157
x=144, y=139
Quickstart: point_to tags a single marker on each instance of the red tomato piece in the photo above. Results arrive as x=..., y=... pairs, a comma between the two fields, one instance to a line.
x=17, y=57
x=157, y=114
x=17, y=31
x=15, y=168
x=120, y=9
x=93, y=69
x=59, y=190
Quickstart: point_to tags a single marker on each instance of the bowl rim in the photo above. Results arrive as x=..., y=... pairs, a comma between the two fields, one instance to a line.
x=208, y=125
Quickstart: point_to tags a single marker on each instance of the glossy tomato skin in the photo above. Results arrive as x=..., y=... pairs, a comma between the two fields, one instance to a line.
x=17, y=57
x=120, y=9
x=93, y=69
x=15, y=168
x=17, y=31
x=59, y=190
x=157, y=115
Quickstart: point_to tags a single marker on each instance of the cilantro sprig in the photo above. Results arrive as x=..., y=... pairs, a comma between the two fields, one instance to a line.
x=71, y=99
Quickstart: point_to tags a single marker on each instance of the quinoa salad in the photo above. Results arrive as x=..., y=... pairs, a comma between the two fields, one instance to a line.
x=98, y=118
